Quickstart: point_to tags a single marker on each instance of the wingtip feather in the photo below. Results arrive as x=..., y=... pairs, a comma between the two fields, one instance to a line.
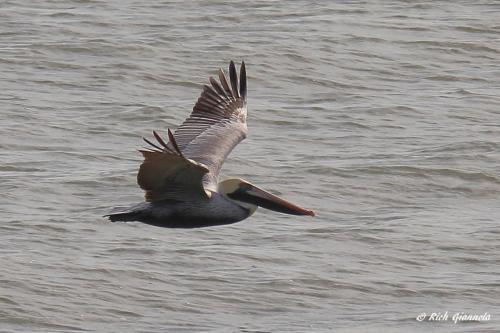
x=234, y=79
x=151, y=143
x=225, y=85
x=243, y=81
x=159, y=139
x=174, y=143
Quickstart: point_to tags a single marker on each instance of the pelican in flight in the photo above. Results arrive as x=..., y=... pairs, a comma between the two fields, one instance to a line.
x=181, y=177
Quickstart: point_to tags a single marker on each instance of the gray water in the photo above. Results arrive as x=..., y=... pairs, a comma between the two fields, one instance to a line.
x=383, y=117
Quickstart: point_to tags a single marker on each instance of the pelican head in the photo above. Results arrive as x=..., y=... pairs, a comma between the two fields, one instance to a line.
x=250, y=197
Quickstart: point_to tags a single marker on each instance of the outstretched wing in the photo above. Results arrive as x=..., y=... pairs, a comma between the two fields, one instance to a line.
x=217, y=123
x=189, y=164
x=167, y=174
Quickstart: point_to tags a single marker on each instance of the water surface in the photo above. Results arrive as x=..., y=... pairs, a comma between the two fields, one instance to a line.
x=383, y=117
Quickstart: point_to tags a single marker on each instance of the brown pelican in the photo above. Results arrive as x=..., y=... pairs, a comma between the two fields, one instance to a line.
x=181, y=177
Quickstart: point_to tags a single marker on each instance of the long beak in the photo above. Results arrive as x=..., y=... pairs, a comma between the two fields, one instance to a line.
x=256, y=196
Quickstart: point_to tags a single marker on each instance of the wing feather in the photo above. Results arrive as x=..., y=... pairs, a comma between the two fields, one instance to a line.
x=217, y=123
x=234, y=79
x=223, y=81
x=166, y=174
x=218, y=88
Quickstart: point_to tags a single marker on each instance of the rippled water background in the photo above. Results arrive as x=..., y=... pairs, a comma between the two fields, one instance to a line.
x=381, y=116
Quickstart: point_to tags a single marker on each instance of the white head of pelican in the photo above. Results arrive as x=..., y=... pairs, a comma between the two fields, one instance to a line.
x=181, y=177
